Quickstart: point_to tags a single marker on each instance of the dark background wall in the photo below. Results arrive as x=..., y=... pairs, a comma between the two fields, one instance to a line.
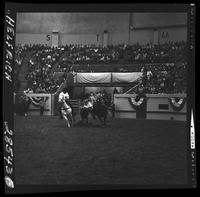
x=158, y=19
x=84, y=28
x=71, y=23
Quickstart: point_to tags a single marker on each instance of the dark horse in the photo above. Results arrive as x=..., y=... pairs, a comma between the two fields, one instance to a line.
x=99, y=109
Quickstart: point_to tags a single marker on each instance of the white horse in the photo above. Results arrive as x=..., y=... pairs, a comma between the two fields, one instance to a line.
x=66, y=111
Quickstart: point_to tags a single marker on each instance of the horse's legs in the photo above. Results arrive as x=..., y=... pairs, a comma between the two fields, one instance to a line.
x=64, y=114
x=60, y=112
x=73, y=117
x=70, y=118
x=84, y=118
x=101, y=121
x=87, y=118
x=68, y=124
x=93, y=114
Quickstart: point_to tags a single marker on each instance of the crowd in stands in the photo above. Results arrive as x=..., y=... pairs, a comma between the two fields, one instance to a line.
x=166, y=78
x=39, y=69
x=122, y=53
x=43, y=58
x=85, y=58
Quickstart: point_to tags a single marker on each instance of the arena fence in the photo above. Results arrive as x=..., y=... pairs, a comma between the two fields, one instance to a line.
x=35, y=102
x=153, y=106
x=51, y=106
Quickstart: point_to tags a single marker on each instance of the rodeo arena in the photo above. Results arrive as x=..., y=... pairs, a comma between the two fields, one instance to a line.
x=100, y=108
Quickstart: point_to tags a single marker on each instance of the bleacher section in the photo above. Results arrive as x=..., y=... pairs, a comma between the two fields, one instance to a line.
x=160, y=64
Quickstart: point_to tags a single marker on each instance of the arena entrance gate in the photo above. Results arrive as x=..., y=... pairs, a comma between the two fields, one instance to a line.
x=109, y=80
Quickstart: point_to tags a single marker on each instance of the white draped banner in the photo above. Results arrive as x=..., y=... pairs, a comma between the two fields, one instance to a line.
x=93, y=77
x=125, y=77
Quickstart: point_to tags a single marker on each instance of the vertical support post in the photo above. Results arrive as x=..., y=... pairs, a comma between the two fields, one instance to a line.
x=52, y=104
x=155, y=36
x=130, y=27
x=105, y=38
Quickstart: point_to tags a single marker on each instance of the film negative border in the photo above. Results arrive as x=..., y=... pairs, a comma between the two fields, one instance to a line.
x=8, y=70
x=8, y=130
x=191, y=97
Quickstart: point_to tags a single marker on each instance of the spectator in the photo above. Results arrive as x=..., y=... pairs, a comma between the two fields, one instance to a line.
x=44, y=58
x=42, y=104
x=115, y=91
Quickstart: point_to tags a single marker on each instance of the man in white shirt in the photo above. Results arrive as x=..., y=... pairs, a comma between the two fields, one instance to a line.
x=92, y=98
x=63, y=95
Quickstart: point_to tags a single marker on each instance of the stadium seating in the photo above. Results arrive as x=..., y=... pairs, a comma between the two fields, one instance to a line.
x=159, y=60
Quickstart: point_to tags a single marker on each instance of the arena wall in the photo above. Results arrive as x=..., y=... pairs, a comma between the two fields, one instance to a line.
x=34, y=108
x=25, y=38
x=158, y=19
x=142, y=37
x=67, y=39
x=88, y=28
x=118, y=38
x=123, y=108
x=172, y=34
x=154, y=111
x=71, y=23
x=109, y=90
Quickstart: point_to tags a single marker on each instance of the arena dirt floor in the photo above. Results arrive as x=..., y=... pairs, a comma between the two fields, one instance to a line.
x=127, y=151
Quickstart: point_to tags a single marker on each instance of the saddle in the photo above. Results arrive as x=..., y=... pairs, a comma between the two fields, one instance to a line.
x=65, y=106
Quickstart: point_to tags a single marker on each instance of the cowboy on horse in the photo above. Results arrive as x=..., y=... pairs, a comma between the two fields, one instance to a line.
x=85, y=109
x=66, y=109
x=98, y=108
